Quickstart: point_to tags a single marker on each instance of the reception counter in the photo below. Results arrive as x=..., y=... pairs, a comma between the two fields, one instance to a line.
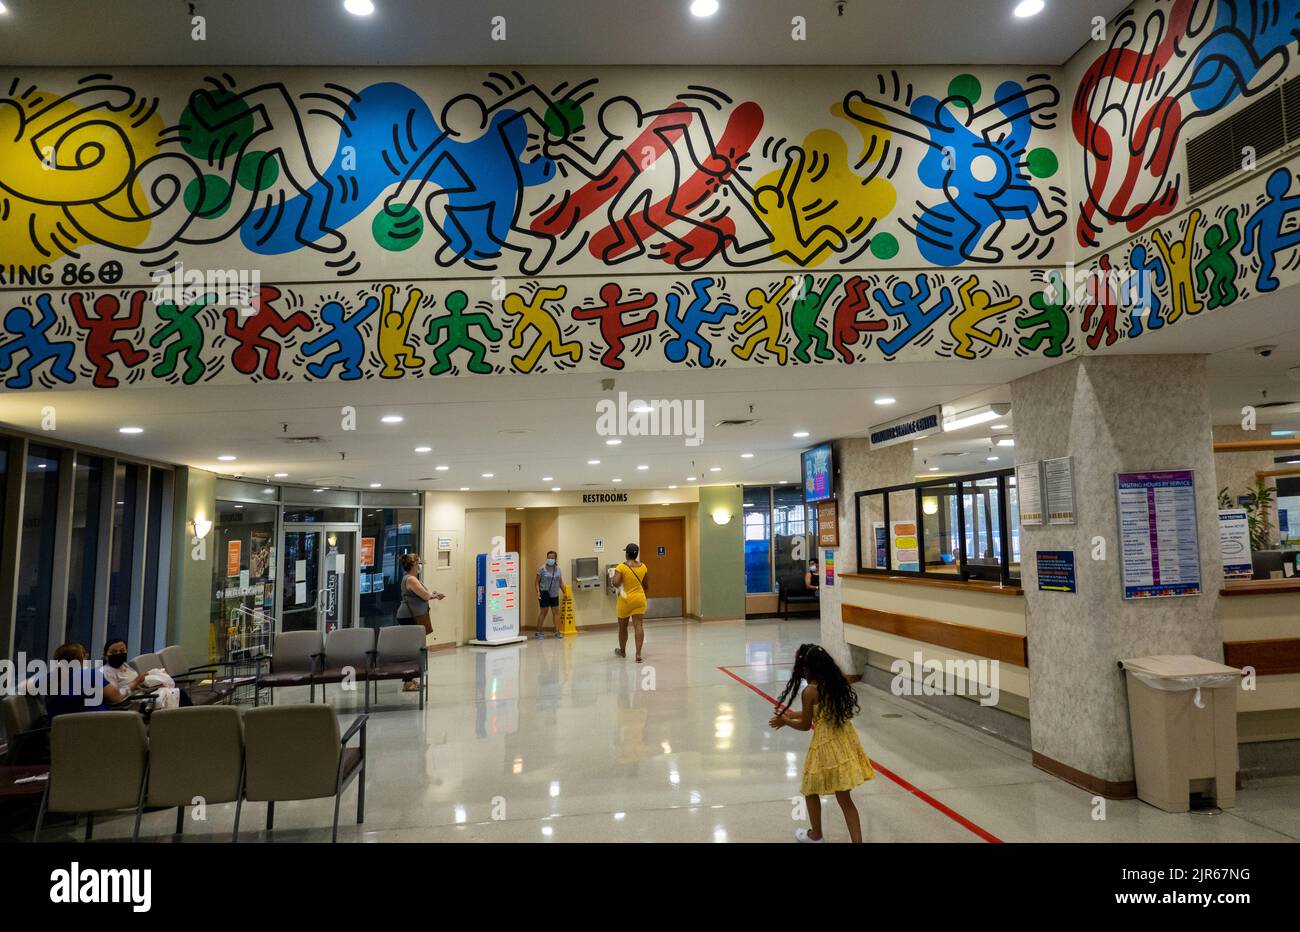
x=1261, y=630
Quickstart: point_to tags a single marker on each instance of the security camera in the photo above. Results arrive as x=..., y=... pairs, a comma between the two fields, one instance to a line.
x=1264, y=351
x=839, y=7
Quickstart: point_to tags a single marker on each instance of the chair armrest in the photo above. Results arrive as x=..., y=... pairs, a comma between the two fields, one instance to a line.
x=358, y=725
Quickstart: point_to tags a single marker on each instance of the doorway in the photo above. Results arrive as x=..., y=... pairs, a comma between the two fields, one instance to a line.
x=513, y=539
x=319, y=572
x=663, y=551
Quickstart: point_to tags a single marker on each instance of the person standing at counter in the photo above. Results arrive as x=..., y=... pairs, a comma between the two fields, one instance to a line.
x=630, y=578
x=415, y=603
x=550, y=579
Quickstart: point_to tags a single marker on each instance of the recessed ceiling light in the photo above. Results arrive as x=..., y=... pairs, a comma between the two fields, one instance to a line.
x=643, y=467
x=40, y=465
x=392, y=419
x=715, y=469
x=226, y=458
x=690, y=478
x=784, y=481
x=704, y=7
x=885, y=400
x=359, y=7
x=593, y=462
x=547, y=478
x=376, y=485
x=615, y=480
x=613, y=442
x=281, y=475
x=3, y=9
x=998, y=427
x=318, y=490
x=464, y=488
x=990, y=459
x=130, y=430
x=1028, y=8
x=800, y=434
x=239, y=506
x=424, y=449
x=442, y=468
x=555, y=488
x=934, y=469
x=519, y=508
x=1006, y=441
x=672, y=487
x=267, y=491
x=747, y=456
x=488, y=475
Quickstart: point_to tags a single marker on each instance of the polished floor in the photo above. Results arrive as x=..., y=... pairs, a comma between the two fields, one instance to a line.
x=561, y=741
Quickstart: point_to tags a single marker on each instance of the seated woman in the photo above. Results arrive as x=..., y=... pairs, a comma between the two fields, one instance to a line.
x=73, y=684
x=120, y=673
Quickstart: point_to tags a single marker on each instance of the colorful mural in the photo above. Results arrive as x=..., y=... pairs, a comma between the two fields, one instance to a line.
x=1168, y=65
x=525, y=175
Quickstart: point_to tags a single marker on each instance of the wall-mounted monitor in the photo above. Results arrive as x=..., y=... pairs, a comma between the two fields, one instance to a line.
x=818, y=474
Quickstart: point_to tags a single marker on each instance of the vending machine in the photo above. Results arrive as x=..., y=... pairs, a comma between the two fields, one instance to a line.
x=496, y=613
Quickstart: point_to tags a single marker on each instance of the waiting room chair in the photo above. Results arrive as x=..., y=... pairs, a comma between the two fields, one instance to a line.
x=792, y=589
x=295, y=752
x=26, y=730
x=293, y=662
x=348, y=653
x=99, y=761
x=190, y=678
x=146, y=662
x=400, y=653
x=197, y=751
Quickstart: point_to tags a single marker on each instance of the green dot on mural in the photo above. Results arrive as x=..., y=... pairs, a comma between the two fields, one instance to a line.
x=965, y=86
x=257, y=171
x=208, y=196
x=214, y=124
x=884, y=246
x=563, y=118
x=1042, y=163
x=399, y=230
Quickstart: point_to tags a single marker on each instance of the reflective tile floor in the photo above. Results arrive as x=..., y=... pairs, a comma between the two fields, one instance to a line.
x=561, y=741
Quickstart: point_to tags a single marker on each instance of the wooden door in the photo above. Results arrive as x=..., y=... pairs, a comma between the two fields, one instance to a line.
x=512, y=540
x=663, y=551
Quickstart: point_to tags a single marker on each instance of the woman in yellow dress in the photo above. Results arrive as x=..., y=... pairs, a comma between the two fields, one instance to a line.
x=836, y=762
x=630, y=578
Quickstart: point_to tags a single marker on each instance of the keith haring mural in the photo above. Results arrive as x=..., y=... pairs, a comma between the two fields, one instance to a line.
x=350, y=175
x=1168, y=65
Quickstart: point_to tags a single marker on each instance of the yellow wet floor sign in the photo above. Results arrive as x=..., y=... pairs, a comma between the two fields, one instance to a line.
x=568, y=621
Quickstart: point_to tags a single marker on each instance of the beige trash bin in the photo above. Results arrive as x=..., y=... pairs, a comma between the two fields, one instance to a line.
x=1183, y=714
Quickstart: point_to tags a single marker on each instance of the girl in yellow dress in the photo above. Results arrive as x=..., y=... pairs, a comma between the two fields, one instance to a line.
x=836, y=762
x=630, y=577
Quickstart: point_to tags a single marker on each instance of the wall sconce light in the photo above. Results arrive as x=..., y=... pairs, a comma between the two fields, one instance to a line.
x=930, y=505
x=721, y=516
x=202, y=527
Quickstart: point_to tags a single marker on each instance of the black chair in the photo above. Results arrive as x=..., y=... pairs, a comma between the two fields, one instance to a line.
x=791, y=589
x=293, y=662
x=26, y=730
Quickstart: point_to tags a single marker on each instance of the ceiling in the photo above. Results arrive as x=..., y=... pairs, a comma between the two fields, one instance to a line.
x=79, y=33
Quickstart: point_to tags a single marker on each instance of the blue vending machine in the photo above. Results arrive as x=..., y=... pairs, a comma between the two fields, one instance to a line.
x=496, y=609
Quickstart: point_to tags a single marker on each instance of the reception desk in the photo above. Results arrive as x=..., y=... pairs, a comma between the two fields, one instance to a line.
x=1261, y=631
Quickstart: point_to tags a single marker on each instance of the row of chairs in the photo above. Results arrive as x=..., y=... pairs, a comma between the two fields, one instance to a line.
x=108, y=762
x=207, y=684
x=302, y=658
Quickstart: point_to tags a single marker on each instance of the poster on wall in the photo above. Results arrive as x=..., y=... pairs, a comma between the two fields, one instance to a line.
x=881, y=544
x=828, y=568
x=1056, y=571
x=259, y=555
x=828, y=524
x=233, y=548
x=1234, y=543
x=1159, y=550
x=906, y=556
x=1058, y=483
x=1029, y=491
x=367, y=551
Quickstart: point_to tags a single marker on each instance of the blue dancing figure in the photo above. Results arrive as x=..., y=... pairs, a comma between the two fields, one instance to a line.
x=909, y=299
x=345, y=332
x=1264, y=228
x=31, y=337
x=1140, y=289
x=687, y=325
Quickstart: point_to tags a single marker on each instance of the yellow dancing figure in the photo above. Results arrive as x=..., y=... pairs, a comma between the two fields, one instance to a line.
x=1178, y=259
x=394, y=332
x=768, y=312
x=534, y=314
x=977, y=306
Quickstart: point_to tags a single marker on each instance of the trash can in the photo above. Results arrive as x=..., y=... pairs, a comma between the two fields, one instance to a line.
x=1183, y=715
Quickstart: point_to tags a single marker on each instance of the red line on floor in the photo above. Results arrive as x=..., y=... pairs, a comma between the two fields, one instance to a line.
x=914, y=790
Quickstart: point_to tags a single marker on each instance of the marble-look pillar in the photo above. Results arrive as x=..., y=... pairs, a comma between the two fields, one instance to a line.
x=1112, y=414
x=858, y=468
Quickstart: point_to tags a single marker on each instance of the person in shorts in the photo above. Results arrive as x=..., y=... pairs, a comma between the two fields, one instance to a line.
x=550, y=578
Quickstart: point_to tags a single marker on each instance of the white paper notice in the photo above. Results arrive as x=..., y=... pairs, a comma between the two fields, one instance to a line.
x=300, y=569
x=1029, y=492
x=300, y=593
x=340, y=564
x=1058, y=477
x=243, y=579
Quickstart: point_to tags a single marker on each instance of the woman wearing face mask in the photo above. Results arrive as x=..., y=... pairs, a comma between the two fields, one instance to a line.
x=120, y=673
x=415, y=602
x=550, y=578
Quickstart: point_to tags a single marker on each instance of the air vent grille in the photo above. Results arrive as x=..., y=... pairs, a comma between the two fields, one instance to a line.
x=297, y=440
x=737, y=422
x=1264, y=127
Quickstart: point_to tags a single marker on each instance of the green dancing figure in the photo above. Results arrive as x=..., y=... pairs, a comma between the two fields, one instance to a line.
x=1222, y=289
x=188, y=333
x=803, y=319
x=457, y=324
x=1051, y=320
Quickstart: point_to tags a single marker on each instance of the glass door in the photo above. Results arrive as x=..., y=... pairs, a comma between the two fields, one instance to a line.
x=319, y=590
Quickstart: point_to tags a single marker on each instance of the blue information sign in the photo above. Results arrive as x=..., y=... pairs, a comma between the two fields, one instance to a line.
x=1056, y=571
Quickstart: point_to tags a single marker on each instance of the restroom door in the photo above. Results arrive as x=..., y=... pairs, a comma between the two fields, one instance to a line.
x=663, y=551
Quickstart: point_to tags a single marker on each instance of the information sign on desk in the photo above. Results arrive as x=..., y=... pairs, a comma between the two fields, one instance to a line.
x=1159, y=549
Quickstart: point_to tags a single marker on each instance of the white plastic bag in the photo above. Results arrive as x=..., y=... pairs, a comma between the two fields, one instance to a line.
x=168, y=697
x=159, y=678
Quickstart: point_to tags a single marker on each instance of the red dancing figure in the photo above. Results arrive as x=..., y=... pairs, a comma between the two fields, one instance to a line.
x=847, y=326
x=613, y=329
x=1102, y=299
x=101, y=333
x=250, y=332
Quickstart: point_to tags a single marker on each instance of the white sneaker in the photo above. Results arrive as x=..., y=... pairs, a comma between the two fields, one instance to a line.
x=802, y=835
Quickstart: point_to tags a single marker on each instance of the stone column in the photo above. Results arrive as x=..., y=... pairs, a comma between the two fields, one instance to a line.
x=1111, y=414
x=858, y=468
